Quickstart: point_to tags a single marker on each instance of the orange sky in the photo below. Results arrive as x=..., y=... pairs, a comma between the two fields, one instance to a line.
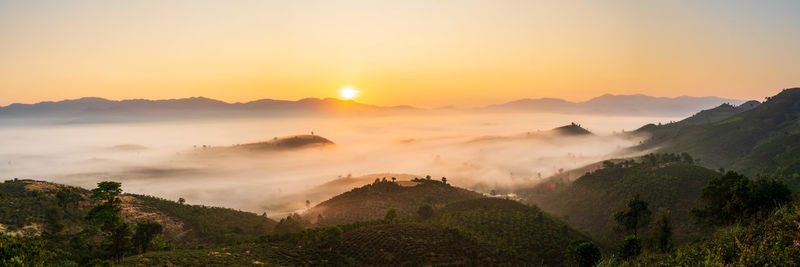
x=422, y=53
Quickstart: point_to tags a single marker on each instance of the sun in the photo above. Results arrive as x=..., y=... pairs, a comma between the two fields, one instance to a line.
x=348, y=92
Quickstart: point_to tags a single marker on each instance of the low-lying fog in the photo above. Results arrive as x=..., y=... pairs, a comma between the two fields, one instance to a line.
x=156, y=158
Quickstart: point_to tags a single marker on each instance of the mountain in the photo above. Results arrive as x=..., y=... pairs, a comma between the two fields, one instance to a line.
x=589, y=202
x=569, y=130
x=291, y=142
x=27, y=207
x=608, y=104
x=480, y=231
x=764, y=139
x=371, y=201
x=94, y=110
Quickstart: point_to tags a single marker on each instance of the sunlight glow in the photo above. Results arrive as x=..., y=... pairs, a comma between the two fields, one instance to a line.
x=348, y=92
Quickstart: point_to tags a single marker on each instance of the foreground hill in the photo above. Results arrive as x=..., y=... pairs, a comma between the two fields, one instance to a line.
x=482, y=231
x=590, y=201
x=371, y=201
x=28, y=207
x=771, y=242
x=762, y=140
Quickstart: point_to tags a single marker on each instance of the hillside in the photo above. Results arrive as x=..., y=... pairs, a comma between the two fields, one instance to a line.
x=482, y=231
x=771, y=242
x=518, y=233
x=26, y=205
x=762, y=140
x=589, y=202
x=569, y=130
x=371, y=201
x=275, y=144
x=707, y=116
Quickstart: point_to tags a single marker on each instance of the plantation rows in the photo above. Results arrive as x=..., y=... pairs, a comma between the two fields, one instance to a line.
x=212, y=224
x=407, y=244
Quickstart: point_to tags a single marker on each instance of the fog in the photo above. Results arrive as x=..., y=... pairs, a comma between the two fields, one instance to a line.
x=159, y=159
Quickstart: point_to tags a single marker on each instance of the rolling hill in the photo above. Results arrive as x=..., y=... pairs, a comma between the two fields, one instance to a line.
x=482, y=231
x=764, y=139
x=26, y=204
x=590, y=201
x=371, y=201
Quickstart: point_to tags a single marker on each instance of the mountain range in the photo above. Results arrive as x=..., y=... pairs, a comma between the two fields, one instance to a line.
x=608, y=104
x=99, y=110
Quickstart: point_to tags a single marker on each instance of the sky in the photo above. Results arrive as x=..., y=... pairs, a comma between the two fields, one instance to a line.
x=421, y=53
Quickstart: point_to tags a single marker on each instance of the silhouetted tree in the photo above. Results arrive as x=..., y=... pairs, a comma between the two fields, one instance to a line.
x=391, y=215
x=584, y=253
x=733, y=197
x=181, y=201
x=106, y=214
x=662, y=230
x=636, y=216
x=444, y=180
x=631, y=247
x=145, y=232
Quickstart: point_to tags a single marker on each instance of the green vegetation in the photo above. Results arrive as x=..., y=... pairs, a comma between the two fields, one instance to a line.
x=764, y=140
x=668, y=181
x=74, y=225
x=477, y=231
x=765, y=236
x=733, y=198
x=210, y=225
x=370, y=202
x=584, y=253
x=515, y=231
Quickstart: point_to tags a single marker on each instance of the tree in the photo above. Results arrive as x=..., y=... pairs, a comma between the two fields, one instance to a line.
x=584, y=253
x=106, y=214
x=391, y=215
x=145, y=232
x=636, y=216
x=607, y=164
x=686, y=158
x=181, y=201
x=444, y=180
x=733, y=197
x=331, y=236
x=631, y=247
x=661, y=230
x=53, y=222
x=425, y=212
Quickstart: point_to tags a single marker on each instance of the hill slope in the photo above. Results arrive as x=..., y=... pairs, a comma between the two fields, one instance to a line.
x=590, y=201
x=482, y=231
x=762, y=140
x=25, y=203
x=371, y=201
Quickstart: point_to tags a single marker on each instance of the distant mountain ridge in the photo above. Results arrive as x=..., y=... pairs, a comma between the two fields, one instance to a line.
x=609, y=104
x=99, y=110
x=93, y=109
